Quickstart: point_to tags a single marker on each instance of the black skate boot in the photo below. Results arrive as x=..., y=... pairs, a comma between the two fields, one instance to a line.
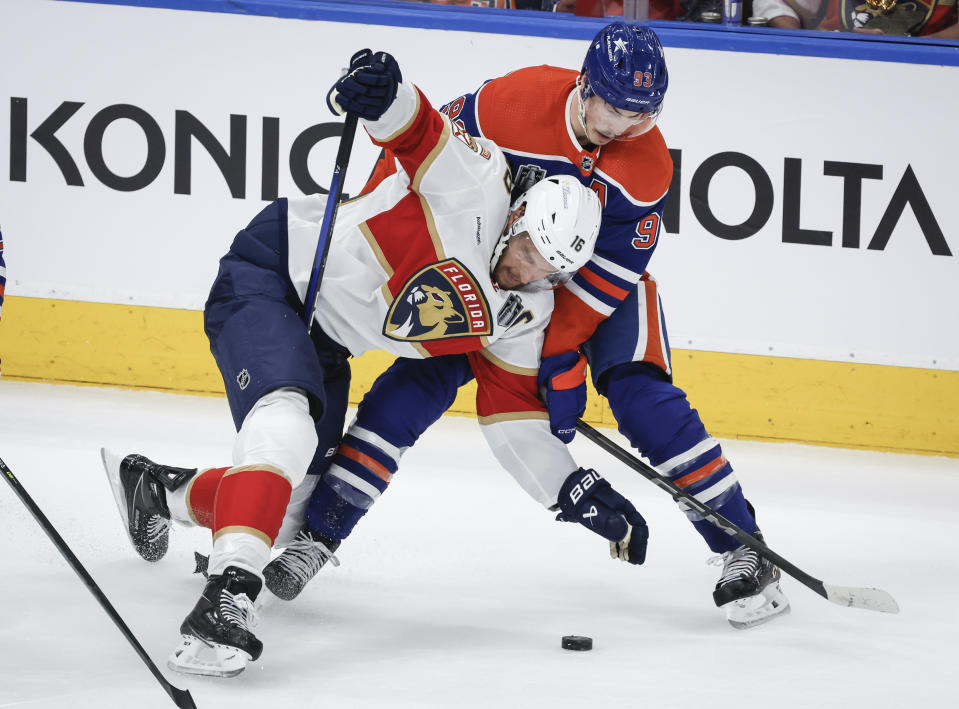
x=303, y=557
x=217, y=635
x=139, y=488
x=748, y=589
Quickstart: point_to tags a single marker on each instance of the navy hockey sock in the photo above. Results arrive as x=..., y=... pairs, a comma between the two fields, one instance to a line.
x=360, y=472
x=658, y=420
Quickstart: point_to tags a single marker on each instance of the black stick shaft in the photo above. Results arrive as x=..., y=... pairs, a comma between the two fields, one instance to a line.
x=329, y=217
x=180, y=697
x=716, y=519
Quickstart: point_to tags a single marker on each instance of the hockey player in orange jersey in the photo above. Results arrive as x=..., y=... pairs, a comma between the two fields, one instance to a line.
x=599, y=126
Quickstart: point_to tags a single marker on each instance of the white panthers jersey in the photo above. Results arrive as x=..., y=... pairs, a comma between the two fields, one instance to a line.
x=408, y=271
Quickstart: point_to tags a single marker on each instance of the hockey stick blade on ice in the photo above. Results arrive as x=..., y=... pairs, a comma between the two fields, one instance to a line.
x=180, y=697
x=329, y=218
x=873, y=599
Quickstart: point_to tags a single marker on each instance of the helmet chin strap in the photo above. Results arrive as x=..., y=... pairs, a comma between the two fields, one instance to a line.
x=508, y=233
x=581, y=105
x=497, y=253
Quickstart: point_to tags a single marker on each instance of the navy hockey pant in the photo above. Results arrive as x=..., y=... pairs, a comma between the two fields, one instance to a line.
x=253, y=319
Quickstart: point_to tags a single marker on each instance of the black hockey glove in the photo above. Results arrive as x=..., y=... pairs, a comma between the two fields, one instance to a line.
x=368, y=88
x=590, y=500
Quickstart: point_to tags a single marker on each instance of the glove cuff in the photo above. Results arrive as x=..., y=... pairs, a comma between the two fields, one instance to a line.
x=573, y=377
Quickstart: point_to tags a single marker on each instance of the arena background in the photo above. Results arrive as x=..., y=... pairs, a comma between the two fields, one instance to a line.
x=808, y=265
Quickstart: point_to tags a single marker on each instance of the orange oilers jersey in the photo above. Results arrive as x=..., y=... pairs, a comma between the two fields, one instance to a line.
x=408, y=271
x=526, y=114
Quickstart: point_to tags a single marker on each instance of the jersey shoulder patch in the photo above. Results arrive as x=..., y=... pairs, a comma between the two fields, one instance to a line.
x=526, y=110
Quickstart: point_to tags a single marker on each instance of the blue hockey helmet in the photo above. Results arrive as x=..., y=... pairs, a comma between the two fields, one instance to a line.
x=625, y=66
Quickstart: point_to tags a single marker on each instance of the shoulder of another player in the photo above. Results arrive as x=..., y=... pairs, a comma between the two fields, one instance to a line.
x=618, y=163
x=517, y=106
x=537, y=73
x=534, y=86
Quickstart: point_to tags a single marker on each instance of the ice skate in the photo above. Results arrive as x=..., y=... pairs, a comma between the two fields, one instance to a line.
x=217, y=635
x=139, y=490
x=287, y=575
x=748, y=589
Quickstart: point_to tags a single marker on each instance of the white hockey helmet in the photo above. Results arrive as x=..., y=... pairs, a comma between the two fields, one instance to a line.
x=562, y=218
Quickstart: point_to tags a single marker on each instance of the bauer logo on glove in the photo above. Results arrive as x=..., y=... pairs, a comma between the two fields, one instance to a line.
x=585, y=483
x=591, y=501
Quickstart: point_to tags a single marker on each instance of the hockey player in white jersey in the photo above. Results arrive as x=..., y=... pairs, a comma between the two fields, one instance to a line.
x=433, y=261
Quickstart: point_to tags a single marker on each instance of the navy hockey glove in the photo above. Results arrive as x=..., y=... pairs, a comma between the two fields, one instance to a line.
x=589, y=499
x=368, y=88
x=562, y=384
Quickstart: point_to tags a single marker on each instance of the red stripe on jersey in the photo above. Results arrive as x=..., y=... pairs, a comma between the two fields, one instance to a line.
x=654, y=334
x=499, y=391
x=601, y=283
x=416, y=248
x=703, y=472
x=453, y=345
x=371, y=464
x=572, y=323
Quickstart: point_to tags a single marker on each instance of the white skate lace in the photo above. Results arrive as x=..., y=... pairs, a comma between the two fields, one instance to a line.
x=157, y=526
x=739, y=564
x=238, y=610
x=304, y=556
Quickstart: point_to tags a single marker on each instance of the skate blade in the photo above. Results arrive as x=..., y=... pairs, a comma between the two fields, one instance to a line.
x=111, y=465
x=749, y=612
x=196, y=657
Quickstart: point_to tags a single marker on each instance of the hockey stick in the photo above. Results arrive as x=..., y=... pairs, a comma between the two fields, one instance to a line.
x=873, y=599
x=180, y=697
x=329, y=218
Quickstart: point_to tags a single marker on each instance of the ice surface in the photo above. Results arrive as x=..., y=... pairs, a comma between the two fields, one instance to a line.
x=456, y=588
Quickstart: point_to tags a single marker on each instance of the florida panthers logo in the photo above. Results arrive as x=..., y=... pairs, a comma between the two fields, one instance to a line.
x=439, y=302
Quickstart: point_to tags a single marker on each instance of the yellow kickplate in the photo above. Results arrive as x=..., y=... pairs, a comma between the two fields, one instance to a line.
x=738, y=396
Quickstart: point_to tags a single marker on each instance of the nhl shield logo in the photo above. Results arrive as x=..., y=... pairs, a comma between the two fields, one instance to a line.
x=586, y=163
x=439, y=302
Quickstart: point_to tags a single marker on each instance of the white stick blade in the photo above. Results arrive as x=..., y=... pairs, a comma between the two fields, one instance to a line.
x=111, y=464
x=872, y=599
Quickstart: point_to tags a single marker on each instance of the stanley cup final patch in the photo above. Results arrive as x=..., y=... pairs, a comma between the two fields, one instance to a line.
x=439, y=302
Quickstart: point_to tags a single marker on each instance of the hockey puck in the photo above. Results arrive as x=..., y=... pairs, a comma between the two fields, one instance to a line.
x=577, y=642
